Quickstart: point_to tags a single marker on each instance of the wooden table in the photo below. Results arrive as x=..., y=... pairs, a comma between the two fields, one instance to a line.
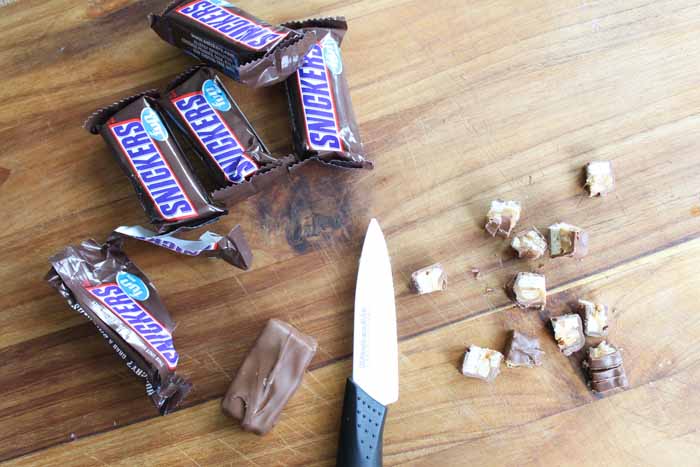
x=459, y=102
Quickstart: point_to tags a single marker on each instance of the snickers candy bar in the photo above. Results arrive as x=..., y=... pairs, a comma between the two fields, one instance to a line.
x=529, y=244
x=528, y=290
x=597, y=318
x=605, y=369
x=599, y=178
x=481, y=363
x=222, y=35
x=429, y=279
x=137, y=133
x=567, y=240
x=216, y=128
x=568, y=332
x=604, y=357
x=269, y=376
x=502, y=217
x=102, y=284
x=523, y=351
x=322, y=116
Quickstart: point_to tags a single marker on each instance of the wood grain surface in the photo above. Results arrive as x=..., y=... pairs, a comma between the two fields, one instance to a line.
x=459, y=102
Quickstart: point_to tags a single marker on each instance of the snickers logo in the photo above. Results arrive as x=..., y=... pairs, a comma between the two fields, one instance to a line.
x=318, y=104
x=155, y=334
x=215, y=136
x=244, y=31
x=151, y=168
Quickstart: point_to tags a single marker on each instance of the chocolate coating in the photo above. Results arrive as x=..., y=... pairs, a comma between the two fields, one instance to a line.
x=602, y=375
x=269, y=376
x=605, y=362
x=605, y=373
x=523, y=351
x=610, y=384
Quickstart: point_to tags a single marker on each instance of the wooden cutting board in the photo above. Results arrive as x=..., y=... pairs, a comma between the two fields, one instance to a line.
x=459, y=102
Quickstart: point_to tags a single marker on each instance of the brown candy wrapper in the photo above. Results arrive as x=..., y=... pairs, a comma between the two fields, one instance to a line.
x=224, y=36
x=264, y=178
x=269, y=376
x=142, y=142
x=523, y=351
x=606, y=371
x=215, y=127
x=102, y=284
x=323, y=120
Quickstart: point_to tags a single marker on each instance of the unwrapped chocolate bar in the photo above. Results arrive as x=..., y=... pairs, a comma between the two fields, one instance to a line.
x=269, y=376
x=567, y=240
x=596, y=318
x=429, y=279
x=599, y=178
x=322, y=116
x=605, y=369
x=102, y=284
x=481, y=363
x=143, y=144
x=530, y=244
x=222, y=35
x=604, y=357
x=502, y=217
x=528, y=290
x=523, y=351
x=568, y=332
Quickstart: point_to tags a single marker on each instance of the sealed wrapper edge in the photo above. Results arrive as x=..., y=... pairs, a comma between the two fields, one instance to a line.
x=277, y=54
x=322, y=117
x=142, y=140
x=210, y=119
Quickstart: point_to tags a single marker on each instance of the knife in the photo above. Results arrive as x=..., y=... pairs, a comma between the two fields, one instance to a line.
x=375, y=367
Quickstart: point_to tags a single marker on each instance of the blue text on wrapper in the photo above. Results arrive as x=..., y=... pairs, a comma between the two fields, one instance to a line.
x=218, y=139
x=138, y=319
x=243, y=31
x=318, y=104
x=152, y=170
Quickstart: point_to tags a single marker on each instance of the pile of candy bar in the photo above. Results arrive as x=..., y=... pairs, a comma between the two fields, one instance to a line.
x=528, y=290
x=190, y=154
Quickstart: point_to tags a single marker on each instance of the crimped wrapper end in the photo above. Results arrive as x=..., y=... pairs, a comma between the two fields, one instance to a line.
x=99, y=117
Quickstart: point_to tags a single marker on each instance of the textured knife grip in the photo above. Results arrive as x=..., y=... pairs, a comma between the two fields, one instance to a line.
x=361, y=429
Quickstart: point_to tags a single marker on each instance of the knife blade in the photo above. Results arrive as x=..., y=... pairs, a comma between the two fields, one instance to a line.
x=375, y=370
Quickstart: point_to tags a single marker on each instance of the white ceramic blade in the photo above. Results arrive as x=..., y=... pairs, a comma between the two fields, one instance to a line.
x=375, y=364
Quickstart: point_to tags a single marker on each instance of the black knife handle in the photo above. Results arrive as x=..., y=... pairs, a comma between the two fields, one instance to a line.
x=361, y=429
